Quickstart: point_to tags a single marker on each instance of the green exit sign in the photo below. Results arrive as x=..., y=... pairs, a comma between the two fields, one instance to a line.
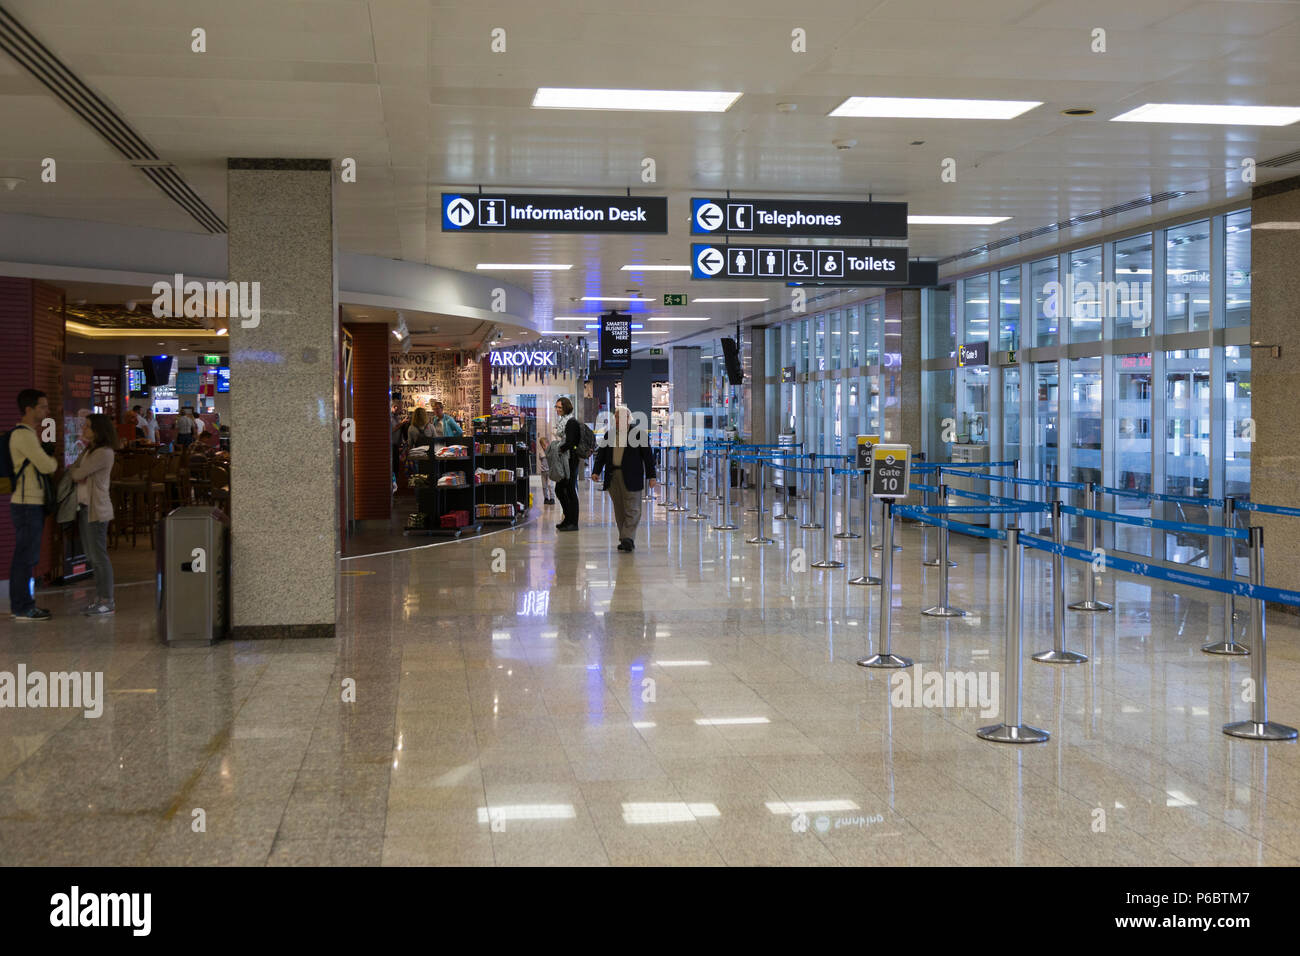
x=656, y=351
x=674, y=298
x=212, y=360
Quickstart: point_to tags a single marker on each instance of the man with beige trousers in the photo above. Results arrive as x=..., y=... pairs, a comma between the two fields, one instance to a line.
x=625, y=458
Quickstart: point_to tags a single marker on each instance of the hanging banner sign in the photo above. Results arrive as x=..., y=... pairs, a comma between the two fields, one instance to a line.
x=856, y=265
x=615, y=341
x=798, y=217
x=482, y=212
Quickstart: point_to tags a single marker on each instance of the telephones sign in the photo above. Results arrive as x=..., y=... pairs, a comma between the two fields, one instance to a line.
x=891, y=470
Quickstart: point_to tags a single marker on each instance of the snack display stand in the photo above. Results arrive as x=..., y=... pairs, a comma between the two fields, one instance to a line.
x=502, y=466
x=445, y=491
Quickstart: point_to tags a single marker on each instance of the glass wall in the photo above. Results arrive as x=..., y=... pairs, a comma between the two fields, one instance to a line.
x=1042, y=274
x=1132, y=438
x=977, y=309
x=1237, y=250
x=1009, y=309
x=1084, y=295
x=1187, y=278
x=939, y=395
x=1085, y=430
x=1132, y=308
x=1010, y=415
x=1187, y=450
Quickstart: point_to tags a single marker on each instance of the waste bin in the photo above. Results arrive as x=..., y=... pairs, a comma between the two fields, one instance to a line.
x=194, y=577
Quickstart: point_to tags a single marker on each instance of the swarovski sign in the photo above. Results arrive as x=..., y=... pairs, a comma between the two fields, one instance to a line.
x=525, y=359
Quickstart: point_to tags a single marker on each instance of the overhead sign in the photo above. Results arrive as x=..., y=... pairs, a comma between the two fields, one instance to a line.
x=798, y=217
x=211, y=359
x=891, y=470
x=615, y=341
x=674, y=298
x=921, y=273
x=474, y=212
x=524, y=357
x=976, y=353
x=855, y=265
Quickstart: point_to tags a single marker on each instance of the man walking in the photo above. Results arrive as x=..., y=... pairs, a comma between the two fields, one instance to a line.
x=27, y=506
x=628, y=464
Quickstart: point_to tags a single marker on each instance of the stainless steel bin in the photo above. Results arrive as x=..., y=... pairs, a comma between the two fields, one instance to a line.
x=194, y=577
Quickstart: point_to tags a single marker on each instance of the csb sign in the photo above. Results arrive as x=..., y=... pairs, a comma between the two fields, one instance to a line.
x=891, y=470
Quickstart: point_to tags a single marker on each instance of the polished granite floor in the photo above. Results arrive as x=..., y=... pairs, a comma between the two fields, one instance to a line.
x=539, y=698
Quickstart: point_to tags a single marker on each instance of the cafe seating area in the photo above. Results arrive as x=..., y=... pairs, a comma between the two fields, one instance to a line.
x=149, y=481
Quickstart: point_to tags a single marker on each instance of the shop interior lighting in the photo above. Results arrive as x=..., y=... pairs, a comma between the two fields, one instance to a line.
x=1217, y=114
x=899, y=107
x=675, y=101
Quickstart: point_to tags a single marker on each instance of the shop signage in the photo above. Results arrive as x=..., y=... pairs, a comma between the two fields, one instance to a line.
x=615, y=341
x=891, y=470
x=502, y=212
x=976, y=353
x=851, y=265
x=798, y=217
x=524, y=358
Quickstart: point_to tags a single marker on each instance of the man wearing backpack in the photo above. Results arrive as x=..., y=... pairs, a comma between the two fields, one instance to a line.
x=578, y=443
x=29, y=461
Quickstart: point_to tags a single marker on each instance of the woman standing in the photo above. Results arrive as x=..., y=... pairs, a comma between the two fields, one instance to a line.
x=421, y=431
x=566, y=489
x=92, y=471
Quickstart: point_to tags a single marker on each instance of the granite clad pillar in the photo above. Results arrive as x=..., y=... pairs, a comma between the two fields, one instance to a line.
x=283, y=382
x=901, y=378
x=1275, y=380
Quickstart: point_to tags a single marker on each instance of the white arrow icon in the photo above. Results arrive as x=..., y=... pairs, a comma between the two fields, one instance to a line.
x=710, y=261
x=460, y=211
x=709, y=216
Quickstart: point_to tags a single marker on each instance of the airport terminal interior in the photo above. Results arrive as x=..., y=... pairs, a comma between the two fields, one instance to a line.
x=846, y=433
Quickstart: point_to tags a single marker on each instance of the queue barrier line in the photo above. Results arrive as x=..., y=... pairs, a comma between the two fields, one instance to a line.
x=1240, y=534
x=998, y=500
x=1267, y=509
x=1154, y=496
x=946, y=465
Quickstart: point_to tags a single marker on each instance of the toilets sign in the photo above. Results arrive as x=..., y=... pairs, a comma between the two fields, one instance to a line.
x=482, y=212
x=840, y=265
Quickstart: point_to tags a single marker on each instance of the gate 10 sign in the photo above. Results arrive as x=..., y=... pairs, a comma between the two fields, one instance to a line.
x=891, y=470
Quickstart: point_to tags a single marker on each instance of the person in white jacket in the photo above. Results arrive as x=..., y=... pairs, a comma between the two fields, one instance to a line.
x=92, y=472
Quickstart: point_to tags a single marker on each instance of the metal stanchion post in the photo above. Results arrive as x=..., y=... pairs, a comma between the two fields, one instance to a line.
x=1259, y=727
x=679, y=480
x=846, y=511
x=1229, y=645
x=828, y=546
x=759, y=537
x=1013, y=521
x=1090, y=602
x=934, y=562
x=866, y=577
x=1012, y=730
x=943, y=609
x=810, y=522
x=886, y=658
x=755, y=476
x=700, y=472
x=787, y=506
x=726, y=495
x=1058, y=654
x=668, y=475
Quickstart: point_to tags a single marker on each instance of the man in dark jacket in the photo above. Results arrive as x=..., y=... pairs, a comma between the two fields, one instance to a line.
x=628, y=464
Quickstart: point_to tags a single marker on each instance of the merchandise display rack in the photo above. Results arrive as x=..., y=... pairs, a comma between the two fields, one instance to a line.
x=434, y=501
x=491, y=439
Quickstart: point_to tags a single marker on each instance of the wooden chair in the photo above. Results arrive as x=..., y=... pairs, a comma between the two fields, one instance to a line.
x=219, y=486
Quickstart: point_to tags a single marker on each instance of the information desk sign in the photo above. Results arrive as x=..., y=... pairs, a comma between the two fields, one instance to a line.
x=798, y=217
x=891, y=470
x=865, y=444
x=843, y=265
x=506, y=212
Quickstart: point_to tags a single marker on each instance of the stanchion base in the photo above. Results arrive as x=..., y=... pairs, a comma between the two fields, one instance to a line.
x=866, y=581
x=943, y=612
x=846, y=534
x=1090, y=606
x=698, y=517
x=1060, y=657
x=934, y=563
x=763, y=541
x=877, y=547
x=885, y=660
x=811, y=527
x=676, y=508
x=827, y=564
x=1250, y=730
x=1228, y=648
x=788, y=516
x=1012, y=734
x=726, y=527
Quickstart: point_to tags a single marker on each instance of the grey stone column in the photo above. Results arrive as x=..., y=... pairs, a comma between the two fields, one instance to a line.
x=284, y=449
x=901, y=420
x=1275, y=381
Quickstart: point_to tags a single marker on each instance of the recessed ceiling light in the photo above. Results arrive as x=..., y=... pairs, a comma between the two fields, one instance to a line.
x=683, y=101
x=644, y=268
x=677, y=318
x=900, y=107
x=730, y=300
x=1222, y=115
x=955, y=220
x=525, y=266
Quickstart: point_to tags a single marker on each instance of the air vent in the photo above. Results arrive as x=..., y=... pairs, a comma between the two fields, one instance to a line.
x=29, y=53
x=1286, y=159
x=1066, y=224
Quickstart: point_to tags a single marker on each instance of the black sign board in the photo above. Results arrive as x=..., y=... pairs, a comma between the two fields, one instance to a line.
x=484, y=212
x=845, y=265
x=891, y=471
x=741, y=218
x=921, y=274
x=615, y=341
x=787, y=374
x=976, y=353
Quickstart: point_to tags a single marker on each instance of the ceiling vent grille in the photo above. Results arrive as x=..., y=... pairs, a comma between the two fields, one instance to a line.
x=1066, y=224
x=1286, y=159
x=29, y=53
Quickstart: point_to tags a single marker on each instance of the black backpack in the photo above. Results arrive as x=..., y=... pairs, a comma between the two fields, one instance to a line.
x=8, y=477
x=586, y=442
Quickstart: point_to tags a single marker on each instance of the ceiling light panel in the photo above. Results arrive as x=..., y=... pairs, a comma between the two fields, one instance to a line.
x=896, y=107
x=1193, y=113
x=673, y=101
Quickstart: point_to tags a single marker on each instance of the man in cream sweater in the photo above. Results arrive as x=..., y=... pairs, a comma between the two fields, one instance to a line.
x=27, y=506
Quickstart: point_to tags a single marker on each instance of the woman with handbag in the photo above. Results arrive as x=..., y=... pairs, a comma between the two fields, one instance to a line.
x=92, y=472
